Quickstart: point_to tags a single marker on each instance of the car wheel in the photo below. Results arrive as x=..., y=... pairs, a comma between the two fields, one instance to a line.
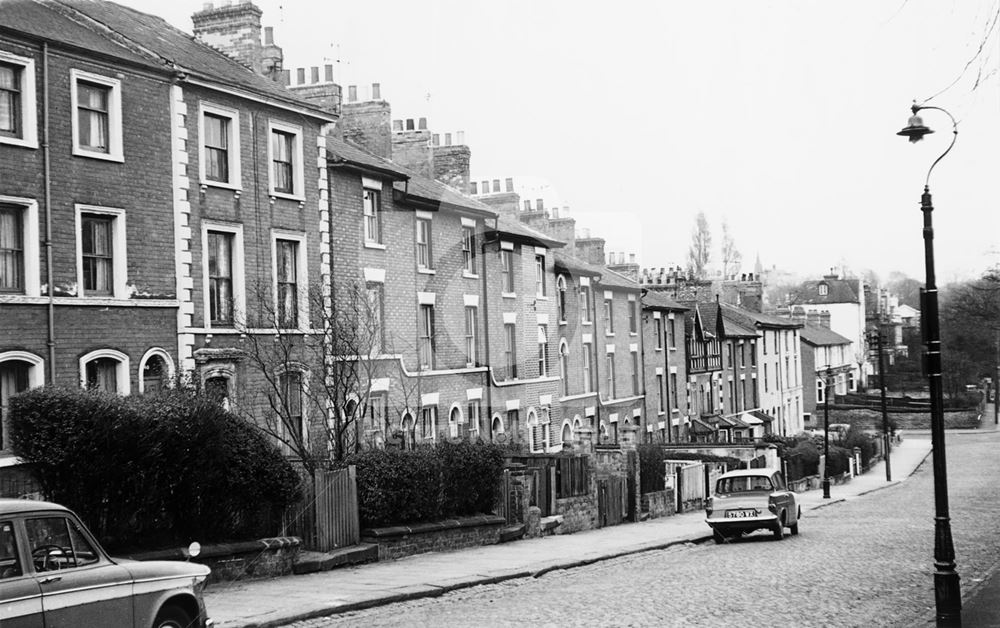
x=779, y=529
x=795, y=528
x=718, y=536
x=172, y=617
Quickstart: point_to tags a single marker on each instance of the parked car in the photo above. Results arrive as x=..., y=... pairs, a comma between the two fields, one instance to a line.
x=751, y=499
x=54, y=573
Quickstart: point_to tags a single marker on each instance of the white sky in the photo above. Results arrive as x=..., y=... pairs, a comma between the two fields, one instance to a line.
x=779, y=116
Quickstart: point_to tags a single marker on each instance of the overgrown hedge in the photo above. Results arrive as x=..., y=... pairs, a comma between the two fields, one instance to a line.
x=427, y=483
x=152, y=471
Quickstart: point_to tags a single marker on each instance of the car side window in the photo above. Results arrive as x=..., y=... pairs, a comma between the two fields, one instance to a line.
x=57, y=543
x=10, y=562
x=779, y=482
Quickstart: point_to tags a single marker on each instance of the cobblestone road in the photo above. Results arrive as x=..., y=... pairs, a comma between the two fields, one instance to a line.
x=866, y=562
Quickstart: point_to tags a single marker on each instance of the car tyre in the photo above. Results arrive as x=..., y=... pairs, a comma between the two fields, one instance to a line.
x=172, y=617
x=719, y=537
x=779, y=529
x=795, y=528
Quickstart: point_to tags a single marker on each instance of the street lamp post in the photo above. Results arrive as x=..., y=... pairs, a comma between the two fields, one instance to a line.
x=947, y=593
x=877, y=338
x=826, y=433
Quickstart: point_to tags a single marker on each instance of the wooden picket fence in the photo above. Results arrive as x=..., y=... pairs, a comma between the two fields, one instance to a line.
x=327, y=516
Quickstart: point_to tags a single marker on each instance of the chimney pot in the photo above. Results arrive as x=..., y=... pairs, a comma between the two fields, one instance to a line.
x=527, y=205
x=460, y=138
x=314, y=74
x=328, y=72
x=496, y=185
x=376, y=91
x=447, y=139
x=540, y=205
x=409, y=124
x=208, y=6
x=422, y=124
x=555, y=212
x=397, y=125
x=436, y=139
x=631, y=258
x=268, y=35
x=352, y=93
x=509, y=183
x=300, y=76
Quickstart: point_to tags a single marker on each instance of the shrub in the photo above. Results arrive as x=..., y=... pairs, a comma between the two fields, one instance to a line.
x=152, y=471
x=427, y=483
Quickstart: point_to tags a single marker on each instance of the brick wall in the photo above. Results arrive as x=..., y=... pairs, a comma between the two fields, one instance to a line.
x=659, y=503
x=400, y=541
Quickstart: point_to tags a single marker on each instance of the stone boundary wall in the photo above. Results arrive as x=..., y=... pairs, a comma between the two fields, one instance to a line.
x=659, y=503
x=264, y=558
x=437, y=536
x=579, y=513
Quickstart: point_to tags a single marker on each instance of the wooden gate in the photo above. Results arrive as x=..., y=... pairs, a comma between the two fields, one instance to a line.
x=327, y=516
x=612, y=494
x=690, y=483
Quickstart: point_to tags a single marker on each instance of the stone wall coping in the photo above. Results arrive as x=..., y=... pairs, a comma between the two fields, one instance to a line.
x=433, y=526
x=222, y=549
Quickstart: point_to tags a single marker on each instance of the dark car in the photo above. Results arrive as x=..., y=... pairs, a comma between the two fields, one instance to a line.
x=53, y=573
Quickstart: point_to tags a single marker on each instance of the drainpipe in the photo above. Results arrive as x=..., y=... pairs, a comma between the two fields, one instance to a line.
x=51, y=338
x=486, y=326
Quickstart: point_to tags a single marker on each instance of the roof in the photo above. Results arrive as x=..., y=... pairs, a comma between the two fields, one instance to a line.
x=741, y=473
x=422, y=188
x=54, y=23
x=822, y=336
x=656, y=300
x=838, y=291
x=343, y=152
x=746, y=318
x=763, y=416
x=605, y=276
x=11, y=506
x=157, y=39
x=517, y=230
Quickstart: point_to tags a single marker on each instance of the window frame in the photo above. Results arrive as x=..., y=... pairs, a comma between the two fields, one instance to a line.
x=609, y=364
x=425, y=337
x=507, y=271
x=238, y=273
x=635, y=373
x=303, y=389
x=471, y=336
x=543, y=350
x=587, y=368
x=301, y=278
x=235, y=180
x=30, y=247
x=155, y=352
x=122, y=371
x=115, y=150
x=36, y=379
x=469, y=251
x=373, y=220
x=561, y=298
x=119, y=251
x=297, y=151
x=541, y=289
x=609, y=316
x=27, y=135
x=510, y=350
x=376, y=309
x=424, y=228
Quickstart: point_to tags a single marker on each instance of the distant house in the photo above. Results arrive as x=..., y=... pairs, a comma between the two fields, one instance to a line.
x=826, y=361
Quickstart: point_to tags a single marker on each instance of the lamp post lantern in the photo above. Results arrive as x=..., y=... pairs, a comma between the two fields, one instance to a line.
x=947, y=593
x=826, y=432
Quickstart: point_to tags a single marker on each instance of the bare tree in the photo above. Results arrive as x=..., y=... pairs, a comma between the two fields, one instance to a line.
x=700, y=250
x=732, y=259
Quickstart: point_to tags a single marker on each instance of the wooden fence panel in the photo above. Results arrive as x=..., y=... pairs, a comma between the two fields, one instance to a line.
x=327, y=516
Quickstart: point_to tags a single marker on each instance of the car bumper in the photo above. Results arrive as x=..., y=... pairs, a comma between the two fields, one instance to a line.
x=750, y=523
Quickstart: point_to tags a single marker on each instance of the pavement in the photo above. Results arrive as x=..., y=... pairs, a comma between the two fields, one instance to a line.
x=279, y=601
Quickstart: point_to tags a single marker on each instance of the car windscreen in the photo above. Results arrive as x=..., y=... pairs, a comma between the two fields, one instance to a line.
x=744, y=484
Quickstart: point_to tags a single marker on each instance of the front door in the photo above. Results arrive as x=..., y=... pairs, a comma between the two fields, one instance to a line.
x=80, y=587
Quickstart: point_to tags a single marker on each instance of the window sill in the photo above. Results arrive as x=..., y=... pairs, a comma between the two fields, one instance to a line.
x=288, y=197
x=467, y=275
x=661, y=413
x=588, y=323
x=374, y=245
x=19, y=141
x=508, y=295
x=222, y=185
x=658, y=349
x=609, y=334
x=562, y=322
x=633, y=333
x=426, y=271
x=541, y=297
x=81, y=152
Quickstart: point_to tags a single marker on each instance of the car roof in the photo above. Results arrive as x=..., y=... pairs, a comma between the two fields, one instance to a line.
x=739, y=473
x=16, y=506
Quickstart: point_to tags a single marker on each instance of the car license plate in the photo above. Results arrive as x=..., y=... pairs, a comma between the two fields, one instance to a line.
x=740, y=514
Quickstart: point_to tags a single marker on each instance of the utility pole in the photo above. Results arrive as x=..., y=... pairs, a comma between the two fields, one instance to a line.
x=885, y=412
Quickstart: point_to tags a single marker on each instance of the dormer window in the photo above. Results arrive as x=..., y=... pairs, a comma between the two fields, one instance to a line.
x=824, y=289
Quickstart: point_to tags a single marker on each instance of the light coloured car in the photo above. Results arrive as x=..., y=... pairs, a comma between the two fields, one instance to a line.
x=751, y=499
x=54, y=573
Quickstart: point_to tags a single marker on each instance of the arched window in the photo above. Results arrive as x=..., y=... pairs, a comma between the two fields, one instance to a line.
x=19, y=371
x=534, y=432
x=107, y=370
x=156, y=369
x=497, y=427
x=567, y=434
x=407, y=425
x=561, y=296
x=563, y=366
x=455, y=422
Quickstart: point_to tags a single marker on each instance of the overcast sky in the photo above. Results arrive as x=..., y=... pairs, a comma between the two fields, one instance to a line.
x=777, y=116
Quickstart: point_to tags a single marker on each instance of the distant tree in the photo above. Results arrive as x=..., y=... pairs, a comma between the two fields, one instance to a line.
x=970, y=328
x=906, y=288
x=700, y=250
x=732, y=259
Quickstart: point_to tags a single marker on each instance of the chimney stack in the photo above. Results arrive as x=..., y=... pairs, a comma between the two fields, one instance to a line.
x=234, y=29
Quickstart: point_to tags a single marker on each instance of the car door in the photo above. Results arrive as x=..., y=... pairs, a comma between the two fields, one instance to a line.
x=20, y=595
x=80, y=586
x=784, y=497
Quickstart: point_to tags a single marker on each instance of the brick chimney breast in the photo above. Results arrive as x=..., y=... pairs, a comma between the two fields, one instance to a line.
x=233, y=29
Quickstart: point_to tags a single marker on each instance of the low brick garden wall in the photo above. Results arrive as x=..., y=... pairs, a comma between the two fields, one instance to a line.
x=437, y=536
x=264, y=558
x=579, y=513
x=659, y=503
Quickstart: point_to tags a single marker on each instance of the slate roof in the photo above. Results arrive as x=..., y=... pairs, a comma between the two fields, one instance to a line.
x=54, y=23
x=155, y=37
x=342, y=152
x=749, y=319
x=656, y=300
x=839, y=291
x=437, y=193
x=821, y=336
x=523, y=233
x=605, y=276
